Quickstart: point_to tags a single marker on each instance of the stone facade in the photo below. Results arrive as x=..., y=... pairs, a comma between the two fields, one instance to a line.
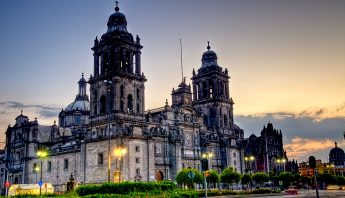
x=267, y=149
x=158, y=142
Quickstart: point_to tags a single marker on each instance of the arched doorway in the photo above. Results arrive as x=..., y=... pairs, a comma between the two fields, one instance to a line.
x=159, y=176
x=15, y=180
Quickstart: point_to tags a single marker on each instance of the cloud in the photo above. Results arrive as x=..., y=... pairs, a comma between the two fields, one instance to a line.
x=9, y=110
x=301, y=148
x=319, y=128
x=41, y=110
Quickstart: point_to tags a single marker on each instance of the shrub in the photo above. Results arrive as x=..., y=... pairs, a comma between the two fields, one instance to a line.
x=125, y=188
x=184, y=177
x=260, y=177
x=229, y=176
x=213, y=177
x=286, y=177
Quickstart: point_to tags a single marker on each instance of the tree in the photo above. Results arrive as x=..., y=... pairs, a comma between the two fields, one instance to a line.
x=340, y=180
x=296, y=178
x=326, y=178
x=260, y=178
x=246, y=179
x=213, y=177
x=188, y=177
x=230, y=176
x=286, y=177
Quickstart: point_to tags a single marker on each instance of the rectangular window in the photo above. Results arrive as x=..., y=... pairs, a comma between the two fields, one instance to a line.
x=34, y=135
x=137, y=171
x=49, y=166
x=65, y=164
x=235, y=163
x=234, y=154
x=100, y=158
x=137, y=148
x=137, y=160
x=34, y=168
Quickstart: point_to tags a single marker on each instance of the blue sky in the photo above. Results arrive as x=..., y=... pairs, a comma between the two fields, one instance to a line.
x=285, y=58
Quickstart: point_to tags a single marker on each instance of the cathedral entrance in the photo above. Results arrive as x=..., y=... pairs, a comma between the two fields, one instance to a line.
x=159, y=176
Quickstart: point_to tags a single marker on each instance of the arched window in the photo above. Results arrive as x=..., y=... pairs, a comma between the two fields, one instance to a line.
x=205, y=120
x=130, y=103
x=138, y=108
x=122, y=91
x=138, y=94
x=225, y=120
x=204, y=90
x=103, y=102
x=105, y=63
x=210, y=84
x=121, y=106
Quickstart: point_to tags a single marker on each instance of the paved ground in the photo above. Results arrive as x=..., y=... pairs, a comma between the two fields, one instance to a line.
x=301, y=193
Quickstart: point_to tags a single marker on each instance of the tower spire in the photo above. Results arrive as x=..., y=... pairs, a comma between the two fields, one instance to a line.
x=208, y=45
x=117, y=6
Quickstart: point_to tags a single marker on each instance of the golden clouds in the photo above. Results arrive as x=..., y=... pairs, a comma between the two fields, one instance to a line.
x=306, y=146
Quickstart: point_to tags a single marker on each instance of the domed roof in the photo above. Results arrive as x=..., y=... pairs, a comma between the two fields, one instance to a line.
x=81, y=105
x=336, y=151
x=209, y=58
x=21, y=118
x=117, y=21
x=81, y=102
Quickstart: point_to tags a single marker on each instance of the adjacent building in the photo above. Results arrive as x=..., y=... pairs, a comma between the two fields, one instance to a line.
x=265, y=153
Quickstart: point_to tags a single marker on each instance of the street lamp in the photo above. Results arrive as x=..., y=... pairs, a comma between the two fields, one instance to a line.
x=281, y=162
x=120, y=151
x=331, y=166
x=7, y=182
x=249, y=162
x=41, y=154
x=207, y=157
x=108, y=83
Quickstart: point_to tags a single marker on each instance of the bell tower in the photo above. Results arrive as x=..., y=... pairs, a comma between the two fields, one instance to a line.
x=117, y=84
x=211, y=93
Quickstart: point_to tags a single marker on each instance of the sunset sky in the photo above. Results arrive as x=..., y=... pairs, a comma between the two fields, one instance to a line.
x=286, y=59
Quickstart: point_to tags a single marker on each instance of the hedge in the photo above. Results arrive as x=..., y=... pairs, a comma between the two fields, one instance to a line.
x=125, y=188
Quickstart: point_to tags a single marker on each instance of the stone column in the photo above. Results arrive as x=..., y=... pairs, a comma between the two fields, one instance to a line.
x=96, y=65
x=137, y=63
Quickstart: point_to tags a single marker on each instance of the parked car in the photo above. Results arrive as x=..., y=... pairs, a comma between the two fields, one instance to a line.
x=292, y=190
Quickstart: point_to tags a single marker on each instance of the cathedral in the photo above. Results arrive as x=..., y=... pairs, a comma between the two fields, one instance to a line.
x=108, y=136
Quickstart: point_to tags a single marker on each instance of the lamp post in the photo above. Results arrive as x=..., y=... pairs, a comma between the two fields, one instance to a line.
x=281, y=162
x=108, y=83
x=6, y=186
x=331, y=166
x=120, y=151
x=206, y=156
x=249, y=162
x=41, y=154
x=36, y=171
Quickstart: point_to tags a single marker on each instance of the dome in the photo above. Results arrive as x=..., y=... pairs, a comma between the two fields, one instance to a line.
x=21, y=119
x=81, y=102
x=209, y=58
x=336, y=151
x=117, y=21
x=337, y=156
x=81, y=105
